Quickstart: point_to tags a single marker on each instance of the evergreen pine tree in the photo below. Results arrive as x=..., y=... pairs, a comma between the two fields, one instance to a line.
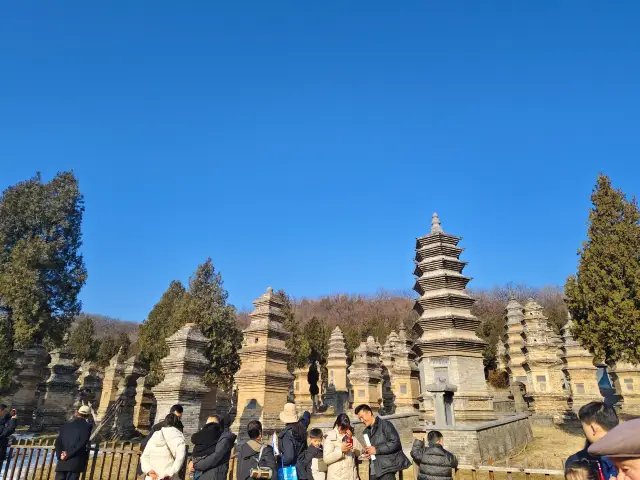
x=297, y=344
x=206, y=305
x=108, y=348
x=7, y=363
x=604, y=296
x=161, y=323
x=82, y=340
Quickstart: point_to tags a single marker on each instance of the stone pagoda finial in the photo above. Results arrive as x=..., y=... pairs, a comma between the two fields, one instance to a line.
x=435, y=224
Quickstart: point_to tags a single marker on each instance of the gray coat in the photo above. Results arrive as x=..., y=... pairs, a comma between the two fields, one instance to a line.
x=435, y=462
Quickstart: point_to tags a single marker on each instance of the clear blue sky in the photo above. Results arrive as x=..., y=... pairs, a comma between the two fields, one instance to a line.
x=305, y=145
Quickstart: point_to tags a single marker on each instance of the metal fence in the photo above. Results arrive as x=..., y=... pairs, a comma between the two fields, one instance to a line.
x=35, y=460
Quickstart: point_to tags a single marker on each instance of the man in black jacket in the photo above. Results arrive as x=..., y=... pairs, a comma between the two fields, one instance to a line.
x=434, y=461
x=383, y=449
x=8, y=424
x=216, y=465
x=72, y=446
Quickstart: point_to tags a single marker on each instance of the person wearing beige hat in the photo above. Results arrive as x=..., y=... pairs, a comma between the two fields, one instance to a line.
x=72, y=446
x=622, y=446
x=292, y=440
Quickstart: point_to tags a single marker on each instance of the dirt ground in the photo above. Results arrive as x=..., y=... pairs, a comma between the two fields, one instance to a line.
x=550, y=448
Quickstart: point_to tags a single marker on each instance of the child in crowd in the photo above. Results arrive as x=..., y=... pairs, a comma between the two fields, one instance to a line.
x=312, y=462
x=434, y=461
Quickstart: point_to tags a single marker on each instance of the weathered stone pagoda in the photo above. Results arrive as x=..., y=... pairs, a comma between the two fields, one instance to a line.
x=450, y=351
x=183, y=370
x=57, y=394
x=145, y=405
x=387, y=358
x=626, y=381
x=263, y=379
x=365, y=375
x=90, y=389
x=32, y=368
x=134, y=370
x=301, y=389
x=579, y=370
x=405, y=375
x=542, y=349
x=113, y=377
x=514, y=354
x=337, y=395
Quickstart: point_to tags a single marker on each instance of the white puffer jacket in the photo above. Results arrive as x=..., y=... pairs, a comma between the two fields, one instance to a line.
x=341, y=466
x=156, y=456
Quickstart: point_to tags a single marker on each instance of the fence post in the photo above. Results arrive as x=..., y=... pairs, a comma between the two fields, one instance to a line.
x=93, y=461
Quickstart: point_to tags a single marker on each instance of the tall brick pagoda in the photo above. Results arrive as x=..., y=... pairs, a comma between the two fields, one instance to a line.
x=263, y=380
x=450, y=351
x=514, y=344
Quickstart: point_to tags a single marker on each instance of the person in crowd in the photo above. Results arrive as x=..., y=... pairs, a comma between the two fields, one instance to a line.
x=312, y=461
x=622, y=446
x=384, y=450
x=292, y=440
x=72, y=446
x=435, y=463
x=165, y=452
x=596, y=419
x=177, y=411
x=8, y=424
x=205, y=441
x=341, y=450
x=216, y=465
x=581, y=469
x=254, y=455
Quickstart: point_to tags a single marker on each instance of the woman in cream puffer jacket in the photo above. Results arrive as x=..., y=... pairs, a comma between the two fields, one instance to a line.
x=165, y=453
x=341, y=464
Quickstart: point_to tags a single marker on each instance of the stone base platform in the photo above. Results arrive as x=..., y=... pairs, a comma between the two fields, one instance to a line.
x=490, y=440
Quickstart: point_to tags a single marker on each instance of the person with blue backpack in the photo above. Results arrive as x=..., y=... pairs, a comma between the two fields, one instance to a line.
x=292, y=443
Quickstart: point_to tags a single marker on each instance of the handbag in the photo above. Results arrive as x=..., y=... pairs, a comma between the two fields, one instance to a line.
x=175, y=476
x=261, y=472
x=287, y=473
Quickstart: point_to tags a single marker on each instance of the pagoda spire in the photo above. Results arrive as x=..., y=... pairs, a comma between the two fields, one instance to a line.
x=435, y=224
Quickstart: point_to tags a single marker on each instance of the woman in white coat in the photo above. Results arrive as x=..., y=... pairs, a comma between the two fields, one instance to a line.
x=341, y=451
x=164, y=455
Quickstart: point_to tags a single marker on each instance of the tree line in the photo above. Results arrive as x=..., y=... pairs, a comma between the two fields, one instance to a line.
x=42, y=272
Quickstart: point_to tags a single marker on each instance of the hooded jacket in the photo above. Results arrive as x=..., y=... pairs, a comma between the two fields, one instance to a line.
x=435, y=462
x=205, y=440
x=340, y=466
x=157, y=456
x=248, y=454
x=216, y=465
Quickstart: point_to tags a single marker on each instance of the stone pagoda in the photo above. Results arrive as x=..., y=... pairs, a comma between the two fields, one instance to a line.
x=301, y=389
x=365, y=375
x=183, y=370
x=113, y=377
x=626, y=381
x=57, y=394
x=387, y=357
x=450, y=351
x=579, y=370
x=145, y=405
x=263, y=379
x=542, y=349
x=405, y=375
x=90, y=389
x=32, y=369
x=337, y=395
x=514, y=355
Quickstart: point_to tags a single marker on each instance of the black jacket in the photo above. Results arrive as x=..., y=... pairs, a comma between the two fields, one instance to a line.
x=248, y=454
x=389, y=455
x=435, y=462
x=216, y=465
x=307, y=460
x=292, y=447
x=73, y=439
x=205, y=440
x=7, y=427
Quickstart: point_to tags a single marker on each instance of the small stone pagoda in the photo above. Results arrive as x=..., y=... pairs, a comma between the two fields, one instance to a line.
x=113, y=377
x=337, y=395
x=579, y=370
x=90, y=389
x=450, y=351
x=32, y=369
x=183, y=370
x=542, y=349
x=514, y=355
x=263, y=379
x=387, y=358
x=405, y=375
x=301, y=389
x=145, y=405
x=365, y=375
x=57, y=393
x=626, y=381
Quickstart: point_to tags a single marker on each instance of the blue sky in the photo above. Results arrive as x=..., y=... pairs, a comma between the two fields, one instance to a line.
x=305, y=145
